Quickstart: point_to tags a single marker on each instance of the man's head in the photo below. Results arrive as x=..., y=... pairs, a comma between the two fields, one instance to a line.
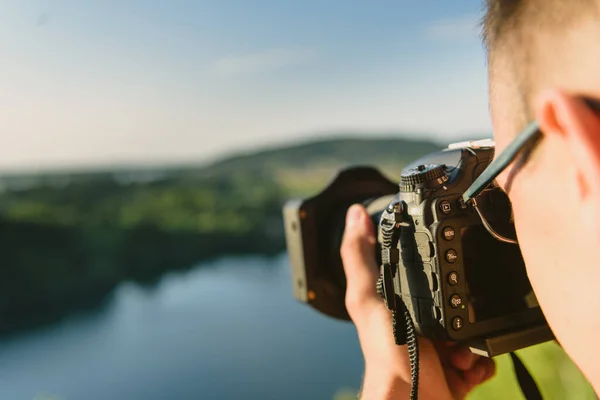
x=542, y=56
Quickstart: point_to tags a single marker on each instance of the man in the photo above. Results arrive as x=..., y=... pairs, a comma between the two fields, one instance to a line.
x=543, y=55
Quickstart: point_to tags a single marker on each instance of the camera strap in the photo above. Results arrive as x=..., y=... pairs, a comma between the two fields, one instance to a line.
x=528, y=386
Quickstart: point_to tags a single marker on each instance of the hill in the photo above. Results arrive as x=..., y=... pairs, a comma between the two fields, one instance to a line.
x=343, y=151
x=324, y=155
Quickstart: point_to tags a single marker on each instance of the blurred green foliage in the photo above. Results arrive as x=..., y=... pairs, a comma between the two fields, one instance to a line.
x=232, y=203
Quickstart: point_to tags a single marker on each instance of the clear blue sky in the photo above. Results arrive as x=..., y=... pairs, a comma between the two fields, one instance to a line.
x=105, y=82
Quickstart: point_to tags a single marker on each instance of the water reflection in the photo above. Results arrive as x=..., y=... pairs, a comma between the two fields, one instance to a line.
x=224, y=330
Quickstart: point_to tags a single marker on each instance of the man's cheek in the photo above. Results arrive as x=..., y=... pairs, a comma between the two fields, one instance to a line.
x=533, y=253
x=531, y=224
x=536, y=222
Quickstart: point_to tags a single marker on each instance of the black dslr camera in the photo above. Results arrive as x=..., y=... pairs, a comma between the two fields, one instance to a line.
x=440, y=261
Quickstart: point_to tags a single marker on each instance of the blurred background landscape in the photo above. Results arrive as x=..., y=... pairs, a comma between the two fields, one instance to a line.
x=69, y=238
x=146, y=151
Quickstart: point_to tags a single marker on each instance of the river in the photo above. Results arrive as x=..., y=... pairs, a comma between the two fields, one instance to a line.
x=228, y=329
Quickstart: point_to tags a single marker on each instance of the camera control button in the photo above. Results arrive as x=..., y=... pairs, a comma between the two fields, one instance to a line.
x=461, y=204
x=451, y=256
x=453, y=278
x=449, y=233
x=455, y=301
x=457, y=323
x=446, y=207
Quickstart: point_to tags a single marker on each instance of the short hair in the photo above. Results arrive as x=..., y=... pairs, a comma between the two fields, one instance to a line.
x=500, y=16
x=509, y=18
x=511, y=29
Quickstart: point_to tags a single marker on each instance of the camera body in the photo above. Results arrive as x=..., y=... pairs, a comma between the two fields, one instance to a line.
x=457, y=281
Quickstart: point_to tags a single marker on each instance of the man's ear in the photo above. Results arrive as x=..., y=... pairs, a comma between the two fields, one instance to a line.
x=569, y=117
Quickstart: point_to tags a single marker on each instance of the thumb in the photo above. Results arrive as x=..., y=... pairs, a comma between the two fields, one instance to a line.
x=358, y=257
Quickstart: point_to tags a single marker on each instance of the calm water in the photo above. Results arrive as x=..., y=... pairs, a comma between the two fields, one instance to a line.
x=224, y=330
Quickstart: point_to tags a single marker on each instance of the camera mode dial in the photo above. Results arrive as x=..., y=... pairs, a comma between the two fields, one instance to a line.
x=428, y=175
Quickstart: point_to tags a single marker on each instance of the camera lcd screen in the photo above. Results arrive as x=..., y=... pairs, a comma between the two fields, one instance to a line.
x=495, y=276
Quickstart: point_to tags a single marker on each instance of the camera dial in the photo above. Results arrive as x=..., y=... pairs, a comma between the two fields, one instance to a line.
x=423, y=176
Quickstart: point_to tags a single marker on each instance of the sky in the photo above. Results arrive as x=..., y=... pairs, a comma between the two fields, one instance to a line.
x=93, y=83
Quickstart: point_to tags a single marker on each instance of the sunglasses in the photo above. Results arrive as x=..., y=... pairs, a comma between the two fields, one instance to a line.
x=522, y=146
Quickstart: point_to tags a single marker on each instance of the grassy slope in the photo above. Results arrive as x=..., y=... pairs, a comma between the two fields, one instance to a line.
x=305, y=168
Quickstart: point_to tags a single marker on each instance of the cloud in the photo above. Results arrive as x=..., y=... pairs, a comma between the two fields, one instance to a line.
x=263, y=61
x=463, y=27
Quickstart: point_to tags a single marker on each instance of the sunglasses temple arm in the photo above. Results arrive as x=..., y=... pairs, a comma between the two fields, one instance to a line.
x=487, y=226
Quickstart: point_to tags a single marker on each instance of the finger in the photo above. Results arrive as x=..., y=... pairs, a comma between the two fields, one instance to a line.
x=491, y=369
x=456, y=383
x=463, y=382
x=483, y=370
x=358, y=254
x=463, y=359
x=444, y=350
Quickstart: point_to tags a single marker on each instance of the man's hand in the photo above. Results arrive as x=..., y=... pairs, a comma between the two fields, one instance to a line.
x=447, y=371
